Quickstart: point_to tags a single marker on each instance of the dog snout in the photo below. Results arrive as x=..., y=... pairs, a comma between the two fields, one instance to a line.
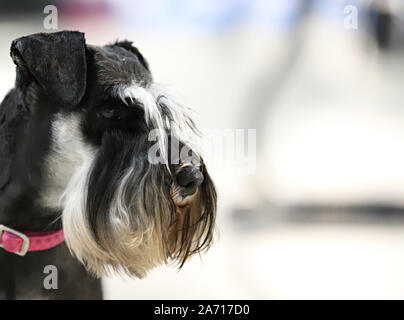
x=190, y=178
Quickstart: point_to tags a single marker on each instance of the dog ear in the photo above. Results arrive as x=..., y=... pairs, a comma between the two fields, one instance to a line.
x=128, y=45
x=56, y=61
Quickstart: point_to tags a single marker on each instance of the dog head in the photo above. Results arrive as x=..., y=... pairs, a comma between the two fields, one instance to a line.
x=122, y=166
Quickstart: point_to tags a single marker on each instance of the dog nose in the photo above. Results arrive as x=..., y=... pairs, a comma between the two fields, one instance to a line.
x=190, y=178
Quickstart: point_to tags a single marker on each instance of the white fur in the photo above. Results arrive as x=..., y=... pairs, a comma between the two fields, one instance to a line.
x=181, y=124
x=68, y=152
x=67, y=169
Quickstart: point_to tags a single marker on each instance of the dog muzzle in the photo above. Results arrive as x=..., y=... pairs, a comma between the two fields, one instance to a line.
x=20, y=242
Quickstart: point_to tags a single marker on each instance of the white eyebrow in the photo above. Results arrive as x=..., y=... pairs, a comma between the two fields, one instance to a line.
x=163, y=112
x=153, y=115
x=142, y=96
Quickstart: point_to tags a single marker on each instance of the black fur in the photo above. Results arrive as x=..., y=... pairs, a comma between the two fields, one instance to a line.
x=128, y=45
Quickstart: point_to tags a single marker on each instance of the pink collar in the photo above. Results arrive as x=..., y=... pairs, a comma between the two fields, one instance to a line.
x=20, y=242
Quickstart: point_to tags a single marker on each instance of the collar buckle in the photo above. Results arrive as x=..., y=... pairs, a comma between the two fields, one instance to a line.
x=25, y=240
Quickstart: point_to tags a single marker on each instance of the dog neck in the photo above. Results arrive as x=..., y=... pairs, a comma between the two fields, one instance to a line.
x=24, y=142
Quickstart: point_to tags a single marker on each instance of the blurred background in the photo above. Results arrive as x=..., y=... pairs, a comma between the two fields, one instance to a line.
x=319, y=213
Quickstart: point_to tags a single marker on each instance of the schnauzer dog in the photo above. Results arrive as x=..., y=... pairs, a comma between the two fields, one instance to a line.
x=99, y=170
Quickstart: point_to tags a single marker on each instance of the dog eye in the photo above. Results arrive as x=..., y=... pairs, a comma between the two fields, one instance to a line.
x=109, y=113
